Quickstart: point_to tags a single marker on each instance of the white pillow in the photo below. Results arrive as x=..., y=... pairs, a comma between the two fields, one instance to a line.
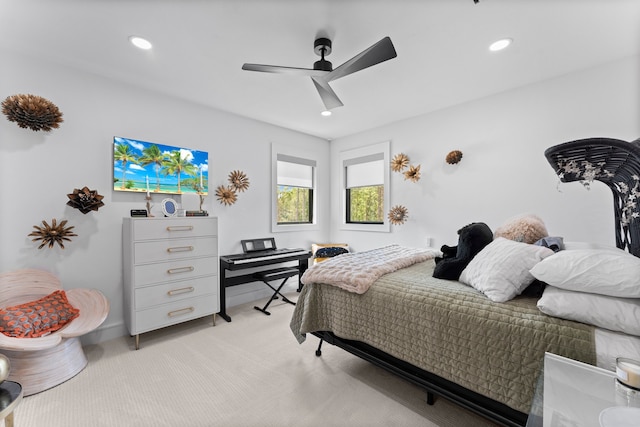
x=615, y=314
x=501, y=269
x=609, y=272
x=588, y=245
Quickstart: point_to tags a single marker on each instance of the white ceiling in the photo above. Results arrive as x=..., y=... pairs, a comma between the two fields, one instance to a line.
x=443, y=60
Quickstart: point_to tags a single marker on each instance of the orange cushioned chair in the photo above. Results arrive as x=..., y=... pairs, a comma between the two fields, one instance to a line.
x=46, y=361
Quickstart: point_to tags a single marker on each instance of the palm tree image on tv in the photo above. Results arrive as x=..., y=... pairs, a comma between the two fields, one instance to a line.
x=153, y=156
x=175, y=164
x=125, y=156
x=141, y=166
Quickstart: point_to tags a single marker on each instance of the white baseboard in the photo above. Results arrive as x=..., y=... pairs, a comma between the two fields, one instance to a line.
x=236, y=295
x=104, y=333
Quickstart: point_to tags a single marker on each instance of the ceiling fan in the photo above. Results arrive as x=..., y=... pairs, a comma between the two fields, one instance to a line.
x=322, y=72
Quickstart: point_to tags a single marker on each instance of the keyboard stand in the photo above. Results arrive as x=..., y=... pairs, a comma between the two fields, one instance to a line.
x=228, y=264
x=275, y=274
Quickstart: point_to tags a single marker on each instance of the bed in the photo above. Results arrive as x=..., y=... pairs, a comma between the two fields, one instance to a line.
x=455, y=342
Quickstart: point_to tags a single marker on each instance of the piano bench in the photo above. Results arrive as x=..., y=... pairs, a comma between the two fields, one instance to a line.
x=276, y=274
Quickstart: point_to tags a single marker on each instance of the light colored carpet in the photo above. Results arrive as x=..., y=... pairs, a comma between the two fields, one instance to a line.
x=250, y=372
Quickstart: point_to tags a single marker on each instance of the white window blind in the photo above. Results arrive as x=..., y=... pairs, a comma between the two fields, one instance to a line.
x=295, y=172
x=365, y=171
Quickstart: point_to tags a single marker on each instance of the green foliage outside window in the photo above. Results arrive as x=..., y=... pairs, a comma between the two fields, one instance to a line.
x=365, y=205
x=295, y=205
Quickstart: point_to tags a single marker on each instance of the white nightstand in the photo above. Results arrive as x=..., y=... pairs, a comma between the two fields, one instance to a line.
x=575, y=394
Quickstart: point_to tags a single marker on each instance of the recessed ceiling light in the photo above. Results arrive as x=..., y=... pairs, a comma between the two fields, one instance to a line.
x=140, y=43
x=500, y=44
x=326, y=113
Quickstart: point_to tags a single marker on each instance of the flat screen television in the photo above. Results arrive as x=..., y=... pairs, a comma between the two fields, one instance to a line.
x=141, y=166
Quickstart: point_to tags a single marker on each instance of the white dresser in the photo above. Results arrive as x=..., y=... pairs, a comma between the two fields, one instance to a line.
x=170, y=271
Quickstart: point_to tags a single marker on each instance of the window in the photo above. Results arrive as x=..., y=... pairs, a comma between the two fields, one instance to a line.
x=294, y=187
x=365, y=189
x=294, y=190
x=365, y=184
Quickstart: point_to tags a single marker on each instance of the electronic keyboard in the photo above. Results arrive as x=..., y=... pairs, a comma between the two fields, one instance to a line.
x=266, y=255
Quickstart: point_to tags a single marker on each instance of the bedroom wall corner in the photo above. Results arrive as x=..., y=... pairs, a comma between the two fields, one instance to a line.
x=503, y=171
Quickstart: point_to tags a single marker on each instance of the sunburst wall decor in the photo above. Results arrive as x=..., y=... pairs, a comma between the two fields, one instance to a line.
x=412, y=174
x=85, y=200
x=398, y=215
x=32, y=111
x=399, y=162
x=454, y=157
x=226, y=195
x=51, y=234
x=239, y=180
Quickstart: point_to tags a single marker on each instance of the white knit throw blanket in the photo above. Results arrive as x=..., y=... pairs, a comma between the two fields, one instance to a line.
x=356, y=272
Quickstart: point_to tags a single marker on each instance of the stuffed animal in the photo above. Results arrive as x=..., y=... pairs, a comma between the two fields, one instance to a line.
x=526, y=228
x=471, y=240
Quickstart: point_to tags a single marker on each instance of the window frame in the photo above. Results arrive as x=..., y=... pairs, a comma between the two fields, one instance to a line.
x=354, y=156
x=290, y=154
x=306, y=163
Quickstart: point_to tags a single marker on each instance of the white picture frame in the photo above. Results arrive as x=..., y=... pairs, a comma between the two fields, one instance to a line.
x=169, y=207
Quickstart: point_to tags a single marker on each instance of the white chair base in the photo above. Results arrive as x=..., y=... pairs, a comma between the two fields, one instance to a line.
x=41, y=370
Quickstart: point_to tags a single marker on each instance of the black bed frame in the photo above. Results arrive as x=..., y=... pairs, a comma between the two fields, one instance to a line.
x=618, y=161
x=432, y=384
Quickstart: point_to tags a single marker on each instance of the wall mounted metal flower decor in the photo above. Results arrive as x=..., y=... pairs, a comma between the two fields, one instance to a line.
x=398, y=215
x=412, y=174
x=32, y=111
x=85, y=200
x=226, y=195
x=52, y=234
x=239, y=180
x=399, y=162
x=454, y=157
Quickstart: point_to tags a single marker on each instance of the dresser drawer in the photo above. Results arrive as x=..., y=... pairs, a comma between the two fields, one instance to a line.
x=175, y=312
x=168, y=228
x=149, y=296
x=147, y=274
x=167, y=250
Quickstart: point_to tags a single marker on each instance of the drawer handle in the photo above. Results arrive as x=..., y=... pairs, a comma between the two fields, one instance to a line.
x=180, y=249
x=180, y=291
x=180, y=270
x=180, y=228
x=181, y=312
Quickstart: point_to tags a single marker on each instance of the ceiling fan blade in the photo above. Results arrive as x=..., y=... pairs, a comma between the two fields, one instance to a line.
x=379, y=52
x=284, y=70
x=329, y=97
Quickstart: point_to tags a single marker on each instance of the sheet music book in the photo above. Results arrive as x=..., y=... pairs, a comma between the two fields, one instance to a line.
x=252, y=245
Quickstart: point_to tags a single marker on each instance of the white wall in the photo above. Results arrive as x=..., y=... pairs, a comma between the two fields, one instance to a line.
x=503, y=171
x=38, y=170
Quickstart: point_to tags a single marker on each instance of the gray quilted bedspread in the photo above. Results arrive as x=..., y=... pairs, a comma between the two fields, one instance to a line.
x=449, y=329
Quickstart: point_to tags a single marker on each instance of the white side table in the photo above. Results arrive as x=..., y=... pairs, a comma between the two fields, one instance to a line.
x=575, y=393
x=10, y=397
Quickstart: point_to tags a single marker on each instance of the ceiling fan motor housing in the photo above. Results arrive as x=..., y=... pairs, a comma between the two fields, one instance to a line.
x=320, y=44
x=322, y=47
